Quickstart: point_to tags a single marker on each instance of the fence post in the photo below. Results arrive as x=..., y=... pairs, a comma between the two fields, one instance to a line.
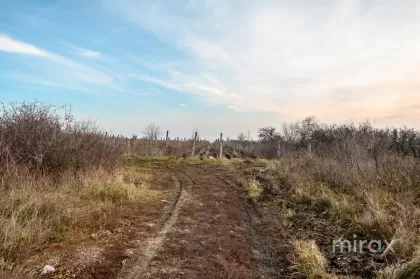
x=156, y=146
x=310, y=149
x=278, y=149
x=193, y=148
x=150, y=149
x=166, y=142
x=221, y=146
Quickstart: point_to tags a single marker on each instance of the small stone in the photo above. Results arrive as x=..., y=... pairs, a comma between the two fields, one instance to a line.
x=47, y=269
x=94, y=236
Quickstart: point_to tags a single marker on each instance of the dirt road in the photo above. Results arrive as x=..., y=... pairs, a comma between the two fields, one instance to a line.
x=211, y=231
x=206, y=227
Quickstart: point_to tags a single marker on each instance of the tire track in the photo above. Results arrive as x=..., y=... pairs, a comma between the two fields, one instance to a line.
x=145, y=255
x=263, y=253
x=212, y=231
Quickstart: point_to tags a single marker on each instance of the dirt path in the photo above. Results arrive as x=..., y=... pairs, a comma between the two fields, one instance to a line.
x=149, y=248
x=203, y=227
x=212, y=232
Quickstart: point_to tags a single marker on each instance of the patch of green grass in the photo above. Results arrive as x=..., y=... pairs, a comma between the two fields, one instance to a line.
x=310, y=262
x=119, y=192
x=253, y=188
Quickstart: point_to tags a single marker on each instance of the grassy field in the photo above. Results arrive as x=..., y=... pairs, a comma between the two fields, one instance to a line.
x=72, y=197
x=322, y=200
x=39, y=211
x=295, y=201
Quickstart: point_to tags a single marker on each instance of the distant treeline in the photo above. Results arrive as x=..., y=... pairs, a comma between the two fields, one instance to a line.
x=309, y=135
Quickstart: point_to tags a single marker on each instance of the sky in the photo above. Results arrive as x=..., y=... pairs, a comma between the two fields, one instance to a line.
x=219, y=66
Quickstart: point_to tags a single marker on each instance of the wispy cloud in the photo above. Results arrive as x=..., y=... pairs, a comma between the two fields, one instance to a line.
x=204, y=86
x=183, y=105
x=9, y=45
x=88, y=53
x=60, y=69
x=346, y=59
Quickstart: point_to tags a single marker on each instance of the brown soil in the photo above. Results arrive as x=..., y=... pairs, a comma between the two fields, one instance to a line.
x=204, y=227
x=215, y=234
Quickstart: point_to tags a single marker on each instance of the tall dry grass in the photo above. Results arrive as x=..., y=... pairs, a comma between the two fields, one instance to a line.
x=368, y=197
x=40, y=210
x=59, y=180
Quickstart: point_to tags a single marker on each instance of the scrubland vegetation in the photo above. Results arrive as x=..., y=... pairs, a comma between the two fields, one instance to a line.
x=357, y=182
x=61, y=179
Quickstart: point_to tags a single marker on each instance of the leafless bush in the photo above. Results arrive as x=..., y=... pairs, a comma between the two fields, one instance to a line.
x=35, y=137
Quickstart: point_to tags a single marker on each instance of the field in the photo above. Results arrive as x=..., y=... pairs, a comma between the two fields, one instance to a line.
x=318, y=203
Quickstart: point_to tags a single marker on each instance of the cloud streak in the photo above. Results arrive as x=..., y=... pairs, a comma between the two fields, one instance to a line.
x=9, y=45
x=59, y=69
x=88, y=53
x=345, y=59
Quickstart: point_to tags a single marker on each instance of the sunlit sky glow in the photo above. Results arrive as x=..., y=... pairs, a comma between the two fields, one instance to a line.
x=221, y=66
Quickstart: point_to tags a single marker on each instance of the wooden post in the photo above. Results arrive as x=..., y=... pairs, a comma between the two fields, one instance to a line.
x=278, y=150
x=150, y=149
x=221, y=146
x=310, y=149
x=166, y=142
x=193, y=148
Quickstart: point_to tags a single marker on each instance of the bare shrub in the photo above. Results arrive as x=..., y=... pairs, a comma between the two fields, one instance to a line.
x=34, y=136
x=49, y=168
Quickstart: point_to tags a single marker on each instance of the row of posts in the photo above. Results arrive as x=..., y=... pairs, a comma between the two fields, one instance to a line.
x=220, y=142
x=194, y=142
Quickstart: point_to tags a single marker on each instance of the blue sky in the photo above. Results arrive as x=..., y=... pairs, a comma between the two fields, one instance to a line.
x=221, y=66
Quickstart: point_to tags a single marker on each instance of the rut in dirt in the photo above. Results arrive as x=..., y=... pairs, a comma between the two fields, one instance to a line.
x=211, y=232
x=150, y=247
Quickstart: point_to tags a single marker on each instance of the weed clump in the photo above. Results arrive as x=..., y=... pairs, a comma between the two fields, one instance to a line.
x=310, y=262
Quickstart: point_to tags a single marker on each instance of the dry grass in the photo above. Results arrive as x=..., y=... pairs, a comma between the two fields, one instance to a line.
x=310, y=262
x=410, y=270
x=41, y=210
x=253, y=188
x=363, y=199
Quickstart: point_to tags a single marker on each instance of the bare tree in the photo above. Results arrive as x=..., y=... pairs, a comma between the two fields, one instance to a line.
x=152, y=131
x=290, y=132
x=248, y=136
x=267, y=134
x=244, y=136
x=307, y=128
